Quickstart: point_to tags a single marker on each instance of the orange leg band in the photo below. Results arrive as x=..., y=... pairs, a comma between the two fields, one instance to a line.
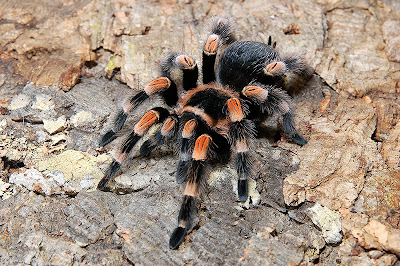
x=235, y=109
x=211, y=45
x=157, y=85
x=168, y=126
x=255, y=92
x=189, y=128
x=201, y=147
x=186, y=61
x=146, y=122
x=274, y=68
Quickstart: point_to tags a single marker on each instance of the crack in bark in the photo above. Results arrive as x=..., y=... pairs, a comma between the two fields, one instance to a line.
x=345, y=8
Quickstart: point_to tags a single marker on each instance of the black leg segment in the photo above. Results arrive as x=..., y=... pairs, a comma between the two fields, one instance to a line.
x=208, y=68
x=110, y=173
x=291, y=131
x=190, y=77
x=184, y=221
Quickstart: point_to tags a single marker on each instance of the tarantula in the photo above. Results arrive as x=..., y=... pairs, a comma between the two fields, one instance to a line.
x=214, y=121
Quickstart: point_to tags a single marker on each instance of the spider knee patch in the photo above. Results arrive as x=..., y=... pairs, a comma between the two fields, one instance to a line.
x=146, y=122
x=157, y=85
x=275, y=68
x=188, y=128
x=168, y=127
x=211, y=45
x=201, y=147
x=187, y=65
x=256, y=93
x=185, y=62
x=235, y=109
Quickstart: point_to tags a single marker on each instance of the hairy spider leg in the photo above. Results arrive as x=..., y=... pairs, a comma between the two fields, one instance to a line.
x=190, y=74
x=195, y=175
x=155, y=86
x=291, y=63
x=167, y=130
x=201, y=143
x=193, y=126
x=241, y=133
x=296, y=64
x=221, y=34
x=270, y=100
x=153, y=116
x=163, y=85
x=186, y=142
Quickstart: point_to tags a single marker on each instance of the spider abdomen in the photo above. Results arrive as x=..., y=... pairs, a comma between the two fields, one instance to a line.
x=244, y=62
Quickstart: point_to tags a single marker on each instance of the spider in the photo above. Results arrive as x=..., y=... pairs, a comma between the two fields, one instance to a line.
x=214, y=121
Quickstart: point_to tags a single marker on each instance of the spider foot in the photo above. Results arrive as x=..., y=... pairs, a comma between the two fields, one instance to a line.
x=184, y=222
x=177, y=237
x=111, y=171
x=220, y=35
x=243, y=189
x=298, y=139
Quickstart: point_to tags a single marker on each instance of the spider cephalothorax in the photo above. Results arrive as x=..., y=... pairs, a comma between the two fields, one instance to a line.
x=215, y=121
